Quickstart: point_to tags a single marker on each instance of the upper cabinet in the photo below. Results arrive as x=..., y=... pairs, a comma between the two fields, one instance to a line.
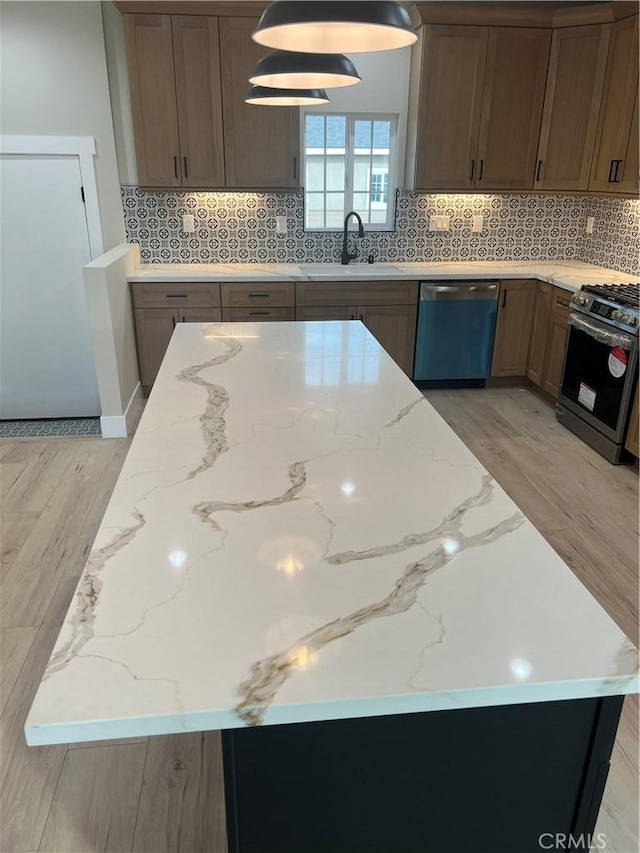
x=188, y=76
x=261, y=143
x=572, y=103
x=514, y=87
x=153, y=99
x=480, y=104
x=450, y=100
x=496, y=107
x=615, y=163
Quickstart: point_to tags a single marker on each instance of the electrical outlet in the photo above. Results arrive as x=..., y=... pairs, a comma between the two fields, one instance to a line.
x=281, y=226
x=478, y=224
x=188, y=223
x=438, y=223
x=591, y=221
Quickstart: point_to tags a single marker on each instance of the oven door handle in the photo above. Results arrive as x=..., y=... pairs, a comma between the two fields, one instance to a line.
x=600, y=332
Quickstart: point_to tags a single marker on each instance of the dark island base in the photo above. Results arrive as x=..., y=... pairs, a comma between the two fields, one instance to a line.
x=506, y=779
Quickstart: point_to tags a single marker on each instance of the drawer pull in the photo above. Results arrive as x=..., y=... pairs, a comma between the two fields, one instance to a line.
x=258, y=296
x=262, y=313
x=176, y=295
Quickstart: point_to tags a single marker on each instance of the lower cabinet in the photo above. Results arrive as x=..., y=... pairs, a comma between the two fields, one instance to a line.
x=154, y=327
x=548, y=338
x=158, y=307
x=388, y=309
x=513, y=328
x=257, y=315
x=632, y=442
x=393, y=326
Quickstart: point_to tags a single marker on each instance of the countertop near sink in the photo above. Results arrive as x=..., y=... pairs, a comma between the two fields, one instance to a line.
x=568, y=275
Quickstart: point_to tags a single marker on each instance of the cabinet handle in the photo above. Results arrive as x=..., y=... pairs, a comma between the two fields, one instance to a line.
x=173, y=321
x=473, y=170
x=610, y=178
x=186, y=174
x=616, y=179
x=361, y=317
x=252, y=313
x=175, y=166
x=183, y=320
x=504, y=298
x=258, y=296
x=295, y=168
x=176, y=295
x=481, y=170
x=538, y=170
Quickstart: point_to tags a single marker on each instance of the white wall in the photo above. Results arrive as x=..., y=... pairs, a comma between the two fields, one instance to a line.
x=54, y=82
x=384, y=89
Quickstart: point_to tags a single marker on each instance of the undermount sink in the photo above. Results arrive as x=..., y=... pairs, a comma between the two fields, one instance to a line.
x=347, y=270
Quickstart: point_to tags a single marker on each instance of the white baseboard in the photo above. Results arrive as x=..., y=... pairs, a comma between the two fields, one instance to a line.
x=119, y=426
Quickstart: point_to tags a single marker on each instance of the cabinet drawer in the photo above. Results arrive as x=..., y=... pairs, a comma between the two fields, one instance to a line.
x=201, y=295
x=280, y=295
x=356, y=293
x=257, y=315
x=561, y=301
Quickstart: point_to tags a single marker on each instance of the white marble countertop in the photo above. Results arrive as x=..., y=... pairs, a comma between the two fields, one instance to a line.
x=297, y=535
x=568, y=275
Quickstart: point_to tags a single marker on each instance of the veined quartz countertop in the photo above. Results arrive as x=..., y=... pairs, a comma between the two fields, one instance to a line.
x=297, y=535
x=569, y=275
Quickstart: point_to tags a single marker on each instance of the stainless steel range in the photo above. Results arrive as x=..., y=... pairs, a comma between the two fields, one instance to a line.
x=600, y=366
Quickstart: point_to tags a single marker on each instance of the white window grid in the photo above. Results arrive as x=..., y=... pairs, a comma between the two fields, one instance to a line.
x=350, y=153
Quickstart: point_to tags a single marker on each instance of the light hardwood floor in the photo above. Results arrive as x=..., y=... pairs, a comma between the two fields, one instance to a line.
x=165, y=793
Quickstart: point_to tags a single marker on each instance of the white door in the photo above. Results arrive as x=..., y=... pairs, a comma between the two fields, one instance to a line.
x=46, y=360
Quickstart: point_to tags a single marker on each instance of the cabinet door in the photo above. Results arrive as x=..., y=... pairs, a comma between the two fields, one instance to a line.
x=629, y=171
x=394, y=327
x=632, y=441
x=199, y=97
x=154, y=327
x=153, y=99
x=453, y=63
x=572, y=102
x=540, y=333
x=555, y=355
x=261, y=144
x=199, y=315
x=514, y=85
x=513, y=328
x=618, y=101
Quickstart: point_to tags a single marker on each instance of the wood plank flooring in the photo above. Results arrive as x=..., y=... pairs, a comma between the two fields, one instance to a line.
x=165, y=793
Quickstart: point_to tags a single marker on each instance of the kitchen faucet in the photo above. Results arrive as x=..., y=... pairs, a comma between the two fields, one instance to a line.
x=346, y=254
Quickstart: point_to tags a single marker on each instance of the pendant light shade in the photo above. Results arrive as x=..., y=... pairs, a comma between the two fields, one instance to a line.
x=287, y=69
x=309, y=26
x=267, y=97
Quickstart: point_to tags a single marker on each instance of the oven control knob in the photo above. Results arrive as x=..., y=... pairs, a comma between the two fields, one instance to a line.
x=617, y=315
x=632, y=321
x=580, y=300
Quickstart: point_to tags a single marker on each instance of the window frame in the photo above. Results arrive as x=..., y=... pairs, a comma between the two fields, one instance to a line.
x=350, y=154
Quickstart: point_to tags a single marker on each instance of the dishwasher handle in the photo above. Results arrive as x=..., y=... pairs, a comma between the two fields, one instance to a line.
x=430, y=290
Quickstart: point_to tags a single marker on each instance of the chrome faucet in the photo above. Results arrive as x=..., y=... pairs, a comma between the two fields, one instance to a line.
x=346, y=254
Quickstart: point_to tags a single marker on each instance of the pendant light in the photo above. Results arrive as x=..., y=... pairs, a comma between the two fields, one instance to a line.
x=288, y=69
x=309, y=26
x=264, y=96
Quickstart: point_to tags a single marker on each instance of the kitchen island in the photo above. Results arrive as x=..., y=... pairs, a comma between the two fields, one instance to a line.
x=301, y=553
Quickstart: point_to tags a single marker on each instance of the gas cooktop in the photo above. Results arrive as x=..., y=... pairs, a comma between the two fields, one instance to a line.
x=623, y=294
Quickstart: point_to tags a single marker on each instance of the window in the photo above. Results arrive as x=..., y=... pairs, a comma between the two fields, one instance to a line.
x=349, y=165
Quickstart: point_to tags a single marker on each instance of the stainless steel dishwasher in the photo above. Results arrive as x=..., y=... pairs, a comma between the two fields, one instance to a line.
x=456, y=327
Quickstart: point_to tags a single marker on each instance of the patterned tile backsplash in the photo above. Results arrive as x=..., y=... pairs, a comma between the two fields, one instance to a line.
x=241, y=228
